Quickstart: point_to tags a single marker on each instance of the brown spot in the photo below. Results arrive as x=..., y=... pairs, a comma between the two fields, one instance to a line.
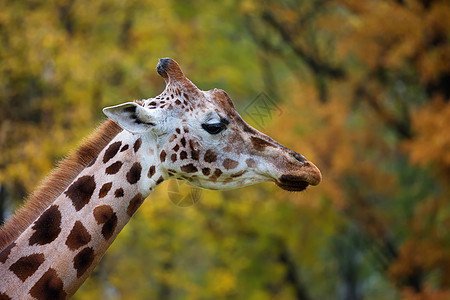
x=162, y=156
x=49, y=286
x=260, y=144
x=186, y=129
x=3, y=296
x=251, y=163
x=114, y=168
x=230, y=163
x=47, y=227
x=5, y=253
x=119, y=193
x=177, y=102
x=170, y=107
x=183, y=154
x=216, y=174
x=80, y=192
x=24, y=267
x=183, y=142
x=173, y=157
x=172, y=138
x=134, y=174
x=210, y=156
x=111, y=151
x=189, y=168
x=124, y=148
x=160, y=180
x=176, y=147
x=105, y=215
x=104, y=190
x=134, y=204
x=78, y=236
x=137, y=145
x=227, y=149
x=194, y=149
x=206, y=171
x=83, y=260
x=151, y=171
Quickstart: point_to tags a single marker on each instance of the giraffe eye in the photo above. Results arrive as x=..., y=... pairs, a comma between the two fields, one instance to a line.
x=214, y=128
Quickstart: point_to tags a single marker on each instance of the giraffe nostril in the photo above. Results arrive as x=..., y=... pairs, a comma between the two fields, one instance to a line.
x=299, y=157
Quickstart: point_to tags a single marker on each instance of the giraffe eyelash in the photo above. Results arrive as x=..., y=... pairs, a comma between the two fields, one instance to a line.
x=215, y=128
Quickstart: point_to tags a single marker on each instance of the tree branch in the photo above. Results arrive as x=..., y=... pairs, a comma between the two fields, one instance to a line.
x=317, y=66
x=402, y=127
x=291, y=273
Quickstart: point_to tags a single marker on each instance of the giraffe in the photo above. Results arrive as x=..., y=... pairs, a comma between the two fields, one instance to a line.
x=51, y=245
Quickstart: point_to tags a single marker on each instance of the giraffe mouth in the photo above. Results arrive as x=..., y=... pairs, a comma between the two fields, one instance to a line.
x=292, y=183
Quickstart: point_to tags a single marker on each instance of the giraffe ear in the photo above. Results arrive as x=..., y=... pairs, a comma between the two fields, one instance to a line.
x=131, y=117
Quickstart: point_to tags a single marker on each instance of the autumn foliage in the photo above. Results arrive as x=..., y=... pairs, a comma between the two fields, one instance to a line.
x=363, y=90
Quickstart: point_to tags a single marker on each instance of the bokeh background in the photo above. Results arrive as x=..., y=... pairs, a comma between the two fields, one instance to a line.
x=363, y=88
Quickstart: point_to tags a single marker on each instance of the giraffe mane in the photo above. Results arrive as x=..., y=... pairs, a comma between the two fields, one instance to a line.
x=57, y=181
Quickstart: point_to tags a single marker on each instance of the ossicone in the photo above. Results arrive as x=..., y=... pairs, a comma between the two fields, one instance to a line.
x=169, y=69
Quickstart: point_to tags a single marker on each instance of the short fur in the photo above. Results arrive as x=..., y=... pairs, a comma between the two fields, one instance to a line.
x=58, y=180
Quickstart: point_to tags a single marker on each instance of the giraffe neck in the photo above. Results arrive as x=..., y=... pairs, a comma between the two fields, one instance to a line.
x=55, y=254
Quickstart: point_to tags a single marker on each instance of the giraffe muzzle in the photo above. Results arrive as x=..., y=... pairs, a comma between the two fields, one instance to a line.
x=308, y=174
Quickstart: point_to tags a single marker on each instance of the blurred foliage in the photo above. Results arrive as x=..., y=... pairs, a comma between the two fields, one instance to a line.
x=364, y=89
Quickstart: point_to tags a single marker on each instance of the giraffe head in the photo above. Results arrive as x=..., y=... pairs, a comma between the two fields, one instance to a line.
x=200, y=137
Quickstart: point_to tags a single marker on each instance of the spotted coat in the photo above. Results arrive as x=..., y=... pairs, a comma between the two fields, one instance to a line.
x=183, y=133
